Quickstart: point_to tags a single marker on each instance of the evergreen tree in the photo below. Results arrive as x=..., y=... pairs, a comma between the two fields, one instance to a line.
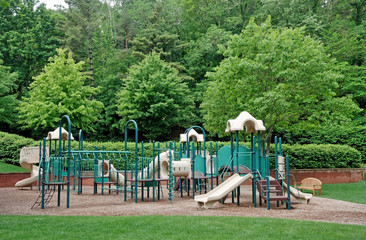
x=80, y=23
x=156, y=97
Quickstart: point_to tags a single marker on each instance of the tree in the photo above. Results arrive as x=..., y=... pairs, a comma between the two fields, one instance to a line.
x=295, y=13
x=57, y=91
x=81, y=21
x=279, y=76
x=8, y=101
x=155, y=96
x=28, y=37
x=202, y=56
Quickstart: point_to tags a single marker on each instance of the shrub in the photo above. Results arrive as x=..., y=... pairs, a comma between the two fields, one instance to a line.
x=321, y=156
x=10, y=146
x=354, y=136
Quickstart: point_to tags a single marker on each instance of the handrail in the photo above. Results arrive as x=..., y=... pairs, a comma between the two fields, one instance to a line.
x=258, y=172
x=227, y=167
x=298, y=192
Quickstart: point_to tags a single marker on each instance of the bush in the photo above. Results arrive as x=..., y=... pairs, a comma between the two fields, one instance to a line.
x=354, y=136
x=10, y=146
x=321, y=156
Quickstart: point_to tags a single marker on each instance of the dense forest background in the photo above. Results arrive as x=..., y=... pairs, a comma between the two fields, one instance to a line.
x=164, y=63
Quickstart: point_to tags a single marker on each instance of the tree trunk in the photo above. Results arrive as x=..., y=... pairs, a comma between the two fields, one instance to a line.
x=126, y=35
x=91, y=61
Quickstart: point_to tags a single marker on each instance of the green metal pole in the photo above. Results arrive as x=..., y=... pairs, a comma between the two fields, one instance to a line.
x=68, y=155
x=254, y=192
x=237, y=167
x=159, y=170
x=142, y=170
x=44, y=175
x=267, y=183
x=136, y=152
x=276, y=156
x=154, y=171
x=171, y=179
x=211, y=165
x=193, y=177
x=288, y=184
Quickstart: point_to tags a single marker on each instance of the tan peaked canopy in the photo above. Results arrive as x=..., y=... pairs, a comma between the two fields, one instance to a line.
x=55, y=135
x=192, y=133
x=251, y=124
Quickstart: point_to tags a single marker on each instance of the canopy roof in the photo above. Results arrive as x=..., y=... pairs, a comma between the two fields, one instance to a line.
x=55, y=135
x=192, y=133
x=251, y=124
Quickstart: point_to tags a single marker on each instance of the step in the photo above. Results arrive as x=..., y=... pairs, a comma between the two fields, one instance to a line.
x=277, y=198
x=273, y=190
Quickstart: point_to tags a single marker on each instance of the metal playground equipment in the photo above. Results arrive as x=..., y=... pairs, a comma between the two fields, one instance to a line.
x=210, y=172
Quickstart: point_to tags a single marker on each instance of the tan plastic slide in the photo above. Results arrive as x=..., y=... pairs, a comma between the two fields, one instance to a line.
x=29, y=156
x=113, y=171
x=179, y=168
x=298, y=194
x=207, y=200
x=164, y=163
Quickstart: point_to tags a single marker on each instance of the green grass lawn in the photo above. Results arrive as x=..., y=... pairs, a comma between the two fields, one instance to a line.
x=171, y=227
x=351, y=192
x=9, y=168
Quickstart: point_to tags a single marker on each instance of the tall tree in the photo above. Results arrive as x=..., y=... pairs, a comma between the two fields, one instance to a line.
x=8, y=101
x=156, y=97
x=28, y=37
x=280, y=76
x=80, y=22
x=57, y=91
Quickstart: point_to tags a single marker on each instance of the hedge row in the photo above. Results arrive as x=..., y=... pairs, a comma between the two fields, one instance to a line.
x=301, y=156
x=321, y=156
x=10, y=145
x=354, y=136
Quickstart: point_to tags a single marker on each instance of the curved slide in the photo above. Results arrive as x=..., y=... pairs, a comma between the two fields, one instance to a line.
x=113, y=172
x=216, y=194
x=179, y=168
x=298, y=194
x=29, y=156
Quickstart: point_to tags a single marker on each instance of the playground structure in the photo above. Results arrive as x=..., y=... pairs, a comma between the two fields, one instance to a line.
x=192, y=167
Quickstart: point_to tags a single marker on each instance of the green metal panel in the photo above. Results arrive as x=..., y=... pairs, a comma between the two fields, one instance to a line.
x=224, y=156
x=244, y=157
x=199, y=164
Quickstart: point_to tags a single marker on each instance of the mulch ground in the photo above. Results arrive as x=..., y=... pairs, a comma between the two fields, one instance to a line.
x=14, y=201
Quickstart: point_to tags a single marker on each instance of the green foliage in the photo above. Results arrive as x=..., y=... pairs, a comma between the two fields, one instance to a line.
x=8, y=101
x=28, y=37
x=295, y=13
x=10, y=146
x=58, y=91
x=202, y=55
x=280, y=76
x=321, y=156
x=109, y=77
x=156, y=98
x=354, y=136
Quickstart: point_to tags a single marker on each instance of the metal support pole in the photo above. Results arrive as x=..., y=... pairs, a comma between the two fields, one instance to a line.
x=288, y=184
